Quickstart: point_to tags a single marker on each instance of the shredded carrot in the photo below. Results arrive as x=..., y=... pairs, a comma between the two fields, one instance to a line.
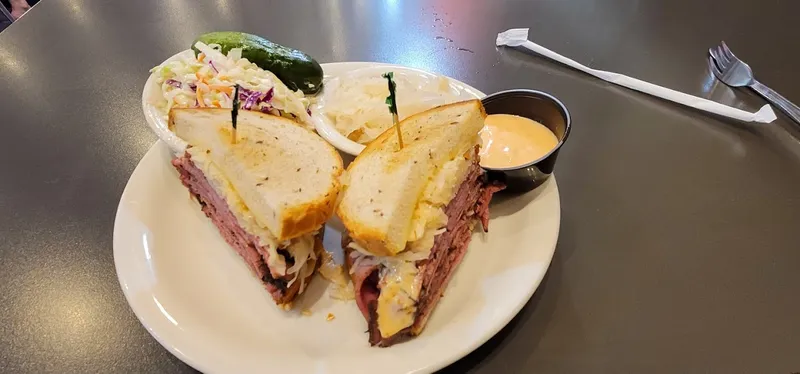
x=200, y=101
x=201, y=56
x=216, y=103
x=226, y=89
x=200, y=77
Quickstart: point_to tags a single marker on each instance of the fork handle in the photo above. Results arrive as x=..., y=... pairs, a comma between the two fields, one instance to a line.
x=786, y=106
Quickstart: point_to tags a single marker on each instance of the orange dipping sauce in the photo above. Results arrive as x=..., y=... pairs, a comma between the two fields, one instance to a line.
x=510, y=141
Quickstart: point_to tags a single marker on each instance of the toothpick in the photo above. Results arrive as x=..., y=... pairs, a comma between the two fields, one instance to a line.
x=391, y=101
x=235, y=111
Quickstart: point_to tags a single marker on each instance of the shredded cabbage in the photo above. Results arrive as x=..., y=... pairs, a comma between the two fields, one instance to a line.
x=302, y=250
x=355, y=103
x=208, y=79
x=361, y=257
x=415, y=251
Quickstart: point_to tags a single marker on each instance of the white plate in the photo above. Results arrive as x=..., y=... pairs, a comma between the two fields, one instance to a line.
x=157, y=120
x=197, y=297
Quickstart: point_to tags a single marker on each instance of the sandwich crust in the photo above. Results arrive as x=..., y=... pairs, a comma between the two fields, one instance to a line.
x=305, y=218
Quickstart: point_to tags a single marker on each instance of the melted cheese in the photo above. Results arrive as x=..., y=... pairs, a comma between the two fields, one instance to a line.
x=400, y=286
x=429, y=213
x=301, y=248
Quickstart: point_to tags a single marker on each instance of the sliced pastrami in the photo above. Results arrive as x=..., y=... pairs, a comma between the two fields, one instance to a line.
x=365, y=285
x=247, y=245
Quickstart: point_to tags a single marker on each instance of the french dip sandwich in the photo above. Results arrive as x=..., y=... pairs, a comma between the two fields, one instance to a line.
x=409, y=215
x=269, y=192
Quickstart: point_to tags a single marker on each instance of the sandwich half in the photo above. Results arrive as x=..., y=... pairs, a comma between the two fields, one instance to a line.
x=409, y=215
x=269, y=193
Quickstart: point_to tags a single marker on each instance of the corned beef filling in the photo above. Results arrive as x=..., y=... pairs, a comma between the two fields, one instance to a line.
x=246, y=244
x=470, y=202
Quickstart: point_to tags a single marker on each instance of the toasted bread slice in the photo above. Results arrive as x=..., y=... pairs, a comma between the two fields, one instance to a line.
x=287, y=176
x=385, y=184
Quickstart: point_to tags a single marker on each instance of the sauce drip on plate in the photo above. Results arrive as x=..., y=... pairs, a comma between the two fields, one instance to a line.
x=510, y=140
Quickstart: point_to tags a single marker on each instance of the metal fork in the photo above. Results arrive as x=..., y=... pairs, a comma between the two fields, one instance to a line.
x=735, y=73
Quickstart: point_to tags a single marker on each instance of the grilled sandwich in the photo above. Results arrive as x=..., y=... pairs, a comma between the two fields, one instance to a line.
x=269, y=191
x=409, y=215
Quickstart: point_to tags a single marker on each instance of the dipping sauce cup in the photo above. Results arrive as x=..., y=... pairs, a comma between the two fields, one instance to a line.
x=542, y=108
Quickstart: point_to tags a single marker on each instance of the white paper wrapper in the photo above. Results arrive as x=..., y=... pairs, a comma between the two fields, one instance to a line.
x=519, y=38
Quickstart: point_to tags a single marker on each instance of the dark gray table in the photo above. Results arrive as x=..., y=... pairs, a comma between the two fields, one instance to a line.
x=679, y=248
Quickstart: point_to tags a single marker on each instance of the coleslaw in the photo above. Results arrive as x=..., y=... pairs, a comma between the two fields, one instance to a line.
x=207, y=81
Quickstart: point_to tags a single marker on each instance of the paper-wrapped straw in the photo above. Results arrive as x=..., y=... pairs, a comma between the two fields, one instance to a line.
x=519, y=38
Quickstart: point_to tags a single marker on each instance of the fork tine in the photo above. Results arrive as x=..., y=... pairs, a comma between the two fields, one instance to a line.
x=722, y=59
x=716, y=57
x=714, y=68
x=727, y=52
x=712, y=52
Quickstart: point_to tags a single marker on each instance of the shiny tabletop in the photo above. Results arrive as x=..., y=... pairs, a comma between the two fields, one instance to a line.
x=679, y=248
